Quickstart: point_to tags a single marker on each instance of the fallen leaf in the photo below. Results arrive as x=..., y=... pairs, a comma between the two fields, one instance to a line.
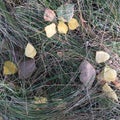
x=73, y=24
x=9, y=68
x=65, y=12
x=26, y=68
x=62, y=27
x=30, y=51
x=109, y=92
x=102, y=56
x=50, y=30
x=109, y=74
x=39, y=100
x=87, y=74
x=49, y=15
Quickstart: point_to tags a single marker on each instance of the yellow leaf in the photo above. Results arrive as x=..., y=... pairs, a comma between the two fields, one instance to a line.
x=73, y=24
x=30, y=51
x=109, y=74
x=39, y=100
x=102, y=56
x=62, y=27
x=109, y=92
x=50, y=30
x=9, y=68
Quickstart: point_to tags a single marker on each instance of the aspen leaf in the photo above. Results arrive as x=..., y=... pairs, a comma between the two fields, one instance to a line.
x=62, y=27
x=102, y=56
x=50, y=30
x=30, y=51
x=109, y=92
x=39, y=100
x=109, y=74
x=26, y=68
x=73, y=24
x=87, y=74
x=65, y=12
x=9, y=68
x=49, y=15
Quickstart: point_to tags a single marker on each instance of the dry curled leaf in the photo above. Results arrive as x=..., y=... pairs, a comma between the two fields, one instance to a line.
x=87, y=74
x=50, y=30
x=9, y=68
x=109, y=92
x=26, y=68
x=101, y=56
x=30, y=51
x=62, y=27
x=49, y=15
x=73, y=24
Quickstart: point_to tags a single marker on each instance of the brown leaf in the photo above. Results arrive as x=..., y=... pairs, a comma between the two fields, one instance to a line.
x=26, y=68
x=49, y=15
x=87, y=74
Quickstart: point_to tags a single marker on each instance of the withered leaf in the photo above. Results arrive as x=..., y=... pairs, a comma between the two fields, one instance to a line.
x=110, y=92
x=87, y=74
x=49, y=15
x=26, y=68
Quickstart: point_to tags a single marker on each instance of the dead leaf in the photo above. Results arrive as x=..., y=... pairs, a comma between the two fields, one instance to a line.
x=65, y=12
x=87, y=74
x=49, y=15
x=39, y=100
x=73, y=24
x=26, y=68
x=62, y=27
x=30, y=51
x=9, y=68
x=107, y=75
x=102, y=56
x=109, y=92
x=50, y=30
